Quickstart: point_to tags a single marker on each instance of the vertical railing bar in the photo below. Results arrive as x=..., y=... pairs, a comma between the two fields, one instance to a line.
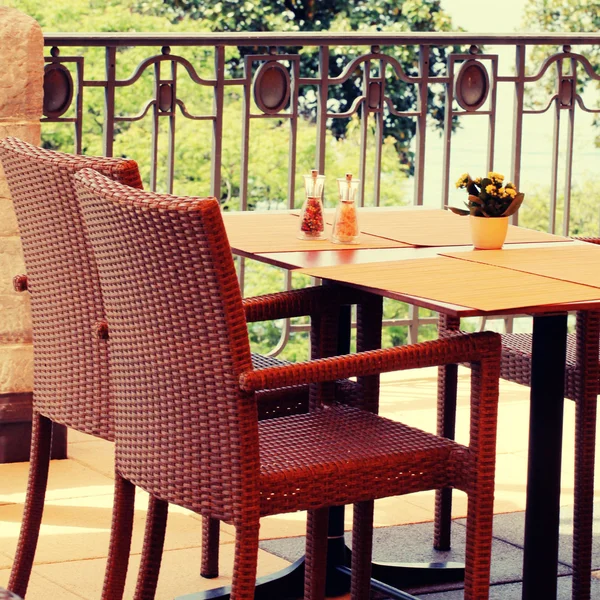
x=492, y=118
x=413, y=327
x=217, y=138
x=322, y=95
x=555, y=156
x=517, y=138
x=421, y=125
x=109, y=100
x=155, y=128
x=79, y=107
x=293, y=136
x=287, y=324
x=242, y=272
x=172, y=125
x=245, y=137
x=364, y=130
x=378, y=138
x=449, y=113
x=569, y=162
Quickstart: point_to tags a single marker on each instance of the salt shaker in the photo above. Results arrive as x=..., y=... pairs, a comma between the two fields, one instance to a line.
x=345, y=224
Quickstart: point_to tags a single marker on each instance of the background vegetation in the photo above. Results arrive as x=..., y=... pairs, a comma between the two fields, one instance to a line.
x=270, y=137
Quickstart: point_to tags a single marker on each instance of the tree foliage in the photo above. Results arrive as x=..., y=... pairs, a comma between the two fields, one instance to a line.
x=563, y=16
x=333, y=15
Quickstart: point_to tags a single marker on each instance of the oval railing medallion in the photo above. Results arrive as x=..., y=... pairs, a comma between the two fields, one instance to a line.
x=472, y=85
x=374, y=95
x=58, y=90
x=165, y=98
x=565, y=92
x=271, y=87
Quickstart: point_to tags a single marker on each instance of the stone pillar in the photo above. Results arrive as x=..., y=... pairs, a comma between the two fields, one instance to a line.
x=21, y=97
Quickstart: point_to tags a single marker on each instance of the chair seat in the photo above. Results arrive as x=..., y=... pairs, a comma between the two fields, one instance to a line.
x=332, y=455
x=516, y=361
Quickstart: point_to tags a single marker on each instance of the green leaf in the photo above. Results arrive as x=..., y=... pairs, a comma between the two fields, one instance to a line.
x=458, y=211
x=514, y=206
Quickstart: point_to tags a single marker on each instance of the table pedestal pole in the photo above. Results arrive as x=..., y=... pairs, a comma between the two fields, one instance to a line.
x=548, y=356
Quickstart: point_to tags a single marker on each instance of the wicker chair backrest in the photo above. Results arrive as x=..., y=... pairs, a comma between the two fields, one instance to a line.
x=179, y=342
x=70, y=359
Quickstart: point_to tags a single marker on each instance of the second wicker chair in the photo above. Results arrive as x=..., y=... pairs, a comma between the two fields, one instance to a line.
x=582, y=372
x=180, y=363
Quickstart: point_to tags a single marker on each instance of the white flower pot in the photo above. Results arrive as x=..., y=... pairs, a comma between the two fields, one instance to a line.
x=488, y=233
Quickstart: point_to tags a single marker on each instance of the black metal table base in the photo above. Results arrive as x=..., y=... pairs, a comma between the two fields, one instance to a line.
x=386, y=577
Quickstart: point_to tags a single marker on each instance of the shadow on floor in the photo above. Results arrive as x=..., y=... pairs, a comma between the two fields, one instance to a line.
x=412, y=543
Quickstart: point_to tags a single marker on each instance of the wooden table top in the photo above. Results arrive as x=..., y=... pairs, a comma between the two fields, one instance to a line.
x=453, y=280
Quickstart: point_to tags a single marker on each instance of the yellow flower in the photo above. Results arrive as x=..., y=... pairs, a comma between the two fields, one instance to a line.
x=511, y=191
x=511, y=186
x=477, y=181
x=492, y=190
x=463, y=180
x=496, y=177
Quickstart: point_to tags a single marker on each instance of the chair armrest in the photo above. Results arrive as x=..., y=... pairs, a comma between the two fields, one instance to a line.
x=589, y=240
x=298, y=303
x=20, y=283
x=474, y=347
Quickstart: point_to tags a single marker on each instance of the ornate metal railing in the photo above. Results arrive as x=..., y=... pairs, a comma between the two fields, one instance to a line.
x=289, y=78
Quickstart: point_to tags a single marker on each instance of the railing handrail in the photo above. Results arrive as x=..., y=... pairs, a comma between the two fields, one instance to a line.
x=262, y=38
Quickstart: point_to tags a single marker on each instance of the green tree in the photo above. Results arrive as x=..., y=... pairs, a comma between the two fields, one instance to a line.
x=563, y=16
x=333, y=15
x=584, y=214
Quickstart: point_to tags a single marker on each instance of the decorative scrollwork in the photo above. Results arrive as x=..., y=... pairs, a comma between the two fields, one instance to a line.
x=58, y=90
x=272, y=87
x=472, y=85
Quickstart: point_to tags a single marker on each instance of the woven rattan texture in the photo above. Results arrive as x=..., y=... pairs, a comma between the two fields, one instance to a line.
x=181, y=357
x=185, y=407
x=335, y=462
x=70, y=361
x=582, y=372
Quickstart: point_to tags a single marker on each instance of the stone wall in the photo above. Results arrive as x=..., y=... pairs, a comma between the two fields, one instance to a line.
x=21, y=97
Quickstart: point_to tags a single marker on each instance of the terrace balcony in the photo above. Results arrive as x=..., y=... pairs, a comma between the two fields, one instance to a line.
x=176, y=102
x=72, y=550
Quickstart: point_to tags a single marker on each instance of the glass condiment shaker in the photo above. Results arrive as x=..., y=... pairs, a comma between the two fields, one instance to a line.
x=312, y=223
x=345, y=224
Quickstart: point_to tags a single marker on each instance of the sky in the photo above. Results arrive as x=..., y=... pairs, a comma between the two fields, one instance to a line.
x=469, y=141
x=474, y=15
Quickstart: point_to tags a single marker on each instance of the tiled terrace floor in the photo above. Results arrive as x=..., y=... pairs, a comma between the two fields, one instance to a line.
x=72, y=549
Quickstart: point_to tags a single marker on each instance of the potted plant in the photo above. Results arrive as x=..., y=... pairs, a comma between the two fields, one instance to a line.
x=489, y=205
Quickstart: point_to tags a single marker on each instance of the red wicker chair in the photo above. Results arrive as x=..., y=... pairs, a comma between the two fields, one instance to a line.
x=180, y=362
x=581, y=385
x=70, y=357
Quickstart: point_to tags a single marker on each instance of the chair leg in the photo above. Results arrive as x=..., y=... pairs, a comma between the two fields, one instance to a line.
x=446, y=426
x=120, y=539
x=479, y=546
x=41, y=441
x=315, y=568
x=362, y=550
x=246, y=558
x=209, y=567
x=583, y=513
x=588, y=328
x=154, y=541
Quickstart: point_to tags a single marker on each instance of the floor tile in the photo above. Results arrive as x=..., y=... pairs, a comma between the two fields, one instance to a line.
x=67, y=479
x=78, y=529
x=41, y=588
x=179, y=574
x=95, y=454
